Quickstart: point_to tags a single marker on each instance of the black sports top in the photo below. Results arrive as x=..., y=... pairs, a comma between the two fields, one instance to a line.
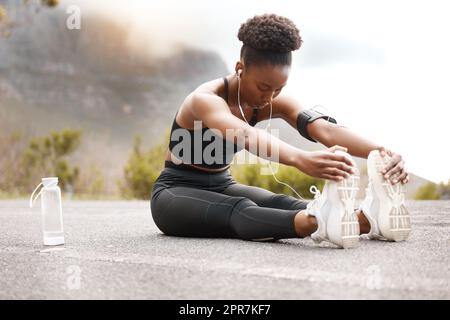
x=228, y=150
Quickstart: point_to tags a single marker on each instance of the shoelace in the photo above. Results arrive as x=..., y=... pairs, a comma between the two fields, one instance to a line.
x=316, y=192
x=348, y=190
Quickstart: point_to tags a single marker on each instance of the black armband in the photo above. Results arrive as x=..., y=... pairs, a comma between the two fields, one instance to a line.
x=308, y=116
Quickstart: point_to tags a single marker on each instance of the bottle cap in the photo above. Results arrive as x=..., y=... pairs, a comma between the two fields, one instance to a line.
x=50, y=181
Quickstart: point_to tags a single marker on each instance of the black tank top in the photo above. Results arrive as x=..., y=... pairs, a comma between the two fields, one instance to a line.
x=228, y=150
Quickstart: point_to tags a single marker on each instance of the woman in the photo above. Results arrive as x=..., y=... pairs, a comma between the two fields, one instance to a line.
x=197, y=197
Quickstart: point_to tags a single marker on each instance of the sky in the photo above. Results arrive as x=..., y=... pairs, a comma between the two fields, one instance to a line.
x=381, y=68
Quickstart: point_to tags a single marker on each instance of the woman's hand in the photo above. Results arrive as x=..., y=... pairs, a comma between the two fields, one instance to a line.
x=326, y=164
x=395, y=169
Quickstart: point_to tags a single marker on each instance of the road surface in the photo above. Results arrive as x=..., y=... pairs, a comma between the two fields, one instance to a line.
x=113, y=250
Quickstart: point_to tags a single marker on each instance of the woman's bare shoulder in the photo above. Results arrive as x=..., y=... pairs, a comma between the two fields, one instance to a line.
x=213, y=87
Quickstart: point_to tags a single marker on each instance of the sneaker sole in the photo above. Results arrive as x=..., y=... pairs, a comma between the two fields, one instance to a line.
x=394, y=219
x=349, y=230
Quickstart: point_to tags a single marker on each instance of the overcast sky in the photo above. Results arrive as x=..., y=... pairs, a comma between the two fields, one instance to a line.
x=381, y=68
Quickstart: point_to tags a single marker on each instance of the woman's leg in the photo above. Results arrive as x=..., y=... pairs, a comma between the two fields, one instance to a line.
x=190, y=212
x=364, y=224
x=304, y=225
x=265, y=198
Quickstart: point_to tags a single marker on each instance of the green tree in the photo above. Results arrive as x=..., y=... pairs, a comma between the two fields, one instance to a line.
x=141, y=170
x=428, y=191
x=50, y=3
x=23, y=12
x=11, y=149
x=252, y=174
x=46, y=156
x=444, y=190
x=2, y=13
x=96, y=184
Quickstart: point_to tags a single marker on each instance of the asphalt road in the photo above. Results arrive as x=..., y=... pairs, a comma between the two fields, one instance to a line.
x=113, y=250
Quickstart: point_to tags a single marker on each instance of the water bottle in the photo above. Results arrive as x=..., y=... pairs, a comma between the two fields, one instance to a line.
x=52, y=221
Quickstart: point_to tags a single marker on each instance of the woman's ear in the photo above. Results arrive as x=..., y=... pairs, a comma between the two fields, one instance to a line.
x=239, y=68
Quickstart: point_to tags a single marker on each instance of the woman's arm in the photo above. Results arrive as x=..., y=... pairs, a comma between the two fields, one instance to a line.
x=330, y=134
x=216, y=115
x=361, y=147
x=357, y=145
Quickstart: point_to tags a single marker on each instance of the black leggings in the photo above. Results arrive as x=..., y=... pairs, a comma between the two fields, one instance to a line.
x=190, y=203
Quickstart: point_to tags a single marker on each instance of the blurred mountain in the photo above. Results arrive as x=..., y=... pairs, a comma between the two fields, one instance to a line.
x=93, y=79
x=52, y=77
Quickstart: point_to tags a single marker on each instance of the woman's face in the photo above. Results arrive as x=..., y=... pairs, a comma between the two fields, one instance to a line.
x=260, y=84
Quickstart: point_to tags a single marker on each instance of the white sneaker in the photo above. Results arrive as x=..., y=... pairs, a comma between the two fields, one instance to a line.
x=384, y=204
x=335, y=212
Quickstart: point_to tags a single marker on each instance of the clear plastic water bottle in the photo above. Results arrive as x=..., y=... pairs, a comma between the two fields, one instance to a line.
x=51, y=208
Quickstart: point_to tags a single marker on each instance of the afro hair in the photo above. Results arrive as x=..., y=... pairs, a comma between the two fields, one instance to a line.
x=270, y=32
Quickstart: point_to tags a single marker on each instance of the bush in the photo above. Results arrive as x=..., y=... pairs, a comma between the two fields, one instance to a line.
x=428, y=191
x=90, y=183
x=22, y=12
x=46, y=156
x=11, y=150
x=24, y=164
x=251, y=174
x=141, y=170
x=444, y=190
